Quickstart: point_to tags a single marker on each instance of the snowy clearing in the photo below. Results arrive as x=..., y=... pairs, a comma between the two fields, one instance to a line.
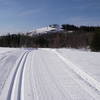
x=49, y=74
x=85, y=60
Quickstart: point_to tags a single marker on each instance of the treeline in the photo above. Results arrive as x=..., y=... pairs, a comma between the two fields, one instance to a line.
x=69, y=27
x=53, y=40
x=16, y=40
x=83, y=37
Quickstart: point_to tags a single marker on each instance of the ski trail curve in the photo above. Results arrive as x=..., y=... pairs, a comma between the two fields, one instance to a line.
x=46, y=75
x=17, y=84
x=12, y=89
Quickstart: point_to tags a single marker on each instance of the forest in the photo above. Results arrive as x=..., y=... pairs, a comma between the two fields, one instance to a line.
x=80, y=37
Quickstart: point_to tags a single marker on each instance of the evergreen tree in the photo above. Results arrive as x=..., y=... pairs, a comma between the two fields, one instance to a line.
x=95, y=44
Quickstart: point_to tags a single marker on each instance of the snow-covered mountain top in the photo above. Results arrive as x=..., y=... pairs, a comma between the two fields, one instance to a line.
x=50, y=28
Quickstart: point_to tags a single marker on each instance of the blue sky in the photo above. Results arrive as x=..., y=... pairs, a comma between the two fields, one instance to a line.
x=26, y=15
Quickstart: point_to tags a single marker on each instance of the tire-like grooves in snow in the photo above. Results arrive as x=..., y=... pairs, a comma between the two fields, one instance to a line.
x=15, y=91
x=91, y=81
x=15, y=79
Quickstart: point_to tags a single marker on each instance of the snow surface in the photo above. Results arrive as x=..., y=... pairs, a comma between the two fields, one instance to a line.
x=47, y=29
x=3, y=50
x=48, y=74
x=86, y=60
x=8, y=58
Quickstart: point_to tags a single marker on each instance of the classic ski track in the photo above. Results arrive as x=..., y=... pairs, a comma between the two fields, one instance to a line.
x=4, y=57
x=18, y=81
x=12, y=95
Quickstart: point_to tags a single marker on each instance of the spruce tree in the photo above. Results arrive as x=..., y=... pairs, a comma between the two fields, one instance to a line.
x=95, y=44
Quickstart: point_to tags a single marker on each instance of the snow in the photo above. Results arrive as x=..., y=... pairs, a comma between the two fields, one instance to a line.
x=3, y=50
x=8, y=57
x=48, y=74
x=47, y=29
x=85, y=60
x=95, y=84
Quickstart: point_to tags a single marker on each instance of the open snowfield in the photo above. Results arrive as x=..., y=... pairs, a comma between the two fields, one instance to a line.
x=85, y=60
x=49, y=74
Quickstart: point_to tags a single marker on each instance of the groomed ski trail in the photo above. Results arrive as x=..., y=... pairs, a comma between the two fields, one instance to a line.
x=43, y=75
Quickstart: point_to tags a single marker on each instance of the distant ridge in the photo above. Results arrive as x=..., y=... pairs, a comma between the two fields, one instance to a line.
x=48, y=29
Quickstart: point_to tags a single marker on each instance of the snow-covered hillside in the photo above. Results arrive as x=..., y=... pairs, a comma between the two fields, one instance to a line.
x=49, y=74
x=50, y=28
